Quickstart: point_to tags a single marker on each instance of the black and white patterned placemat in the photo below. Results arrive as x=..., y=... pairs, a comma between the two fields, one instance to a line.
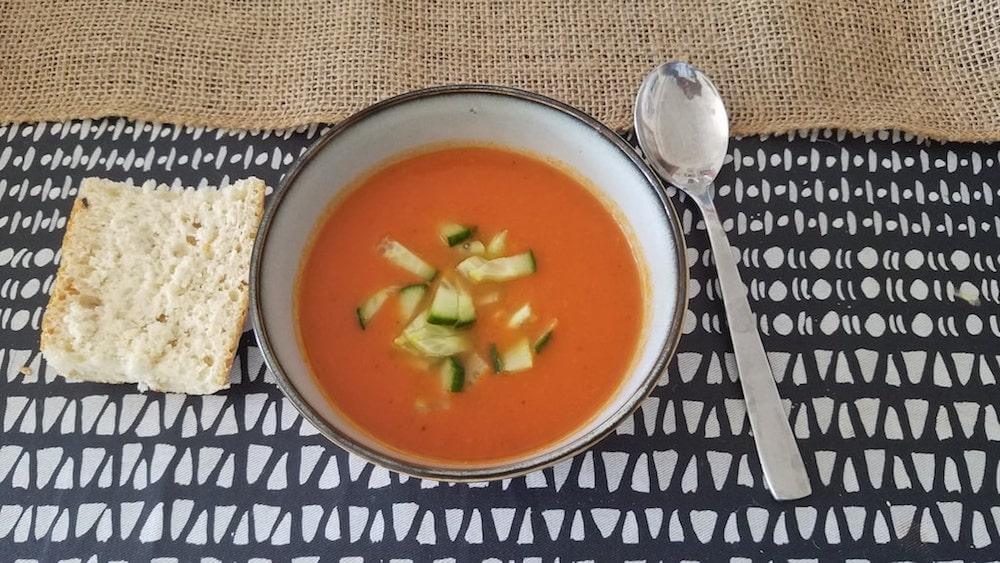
x=872, y=265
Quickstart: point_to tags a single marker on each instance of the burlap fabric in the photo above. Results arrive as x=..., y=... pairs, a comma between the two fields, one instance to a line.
x=928, y=66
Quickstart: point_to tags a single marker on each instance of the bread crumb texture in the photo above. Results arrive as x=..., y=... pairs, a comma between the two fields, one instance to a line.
x=152, y=284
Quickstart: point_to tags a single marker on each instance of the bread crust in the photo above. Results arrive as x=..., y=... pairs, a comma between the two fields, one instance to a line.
x=222, y=377
x=60, y=288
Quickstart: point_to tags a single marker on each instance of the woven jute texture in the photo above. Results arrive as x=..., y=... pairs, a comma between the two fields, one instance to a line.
x=931, y=67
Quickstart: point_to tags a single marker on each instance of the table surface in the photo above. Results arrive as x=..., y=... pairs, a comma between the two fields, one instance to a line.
x=871, y=263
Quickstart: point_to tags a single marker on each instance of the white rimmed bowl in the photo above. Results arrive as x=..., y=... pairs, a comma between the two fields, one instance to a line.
x=506, y=117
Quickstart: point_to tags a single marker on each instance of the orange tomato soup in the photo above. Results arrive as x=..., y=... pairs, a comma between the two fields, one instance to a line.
x=587, y=279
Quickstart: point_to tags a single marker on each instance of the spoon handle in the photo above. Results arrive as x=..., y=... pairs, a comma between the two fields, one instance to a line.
x=779, y=455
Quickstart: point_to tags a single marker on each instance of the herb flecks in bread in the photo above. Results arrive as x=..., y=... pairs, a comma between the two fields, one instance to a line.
x=152, y=285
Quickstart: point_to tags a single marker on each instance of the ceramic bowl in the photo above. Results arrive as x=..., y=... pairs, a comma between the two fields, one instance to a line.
x=505, y=117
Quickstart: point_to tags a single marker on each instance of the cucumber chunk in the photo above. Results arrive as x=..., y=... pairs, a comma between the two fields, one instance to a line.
x=410, y=298
x=454, y=234
x=431, y=341
x=498, y=269
x=475, y=367
x=452, y=306
x=470, y=264
x=497, y=245
x=517, y=358
x=520, y=316
x=473, y=247
x=444, y=307
x=395, y=252
x=489, y=298
x=545, y=338
x=452, y=374
x=495, y=359
x=366, y=311
x=466, y=310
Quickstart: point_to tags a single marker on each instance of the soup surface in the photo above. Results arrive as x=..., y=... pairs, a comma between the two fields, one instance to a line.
x=585, y=288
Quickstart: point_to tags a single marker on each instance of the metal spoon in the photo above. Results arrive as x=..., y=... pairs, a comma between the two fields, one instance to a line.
x=682, y=126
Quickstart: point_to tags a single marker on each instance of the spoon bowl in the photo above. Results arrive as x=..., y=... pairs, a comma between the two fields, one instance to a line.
x=688, y=151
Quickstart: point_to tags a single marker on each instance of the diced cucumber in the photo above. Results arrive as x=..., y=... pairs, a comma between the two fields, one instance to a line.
x=403, y=257
x=489, y=298
x=520, y=316
x=495, y=359
x=452, y=306
x=517, y=358
x=545, y=338
x=372, y=304
x=453, y=234
x=431, y=340
x=466, y=310
x=473, y=247
x=497, y=245
x=498, y=269
x=466, y=267
x=410, y=298
x=475, y=367
x=453, y=374
x=418, y=321
x=509, y=267
x=444, y=307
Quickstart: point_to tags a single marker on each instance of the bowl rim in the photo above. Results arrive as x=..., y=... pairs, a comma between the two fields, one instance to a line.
x=544, y=457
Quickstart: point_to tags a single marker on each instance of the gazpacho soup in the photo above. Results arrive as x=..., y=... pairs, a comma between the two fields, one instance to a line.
x=469, y=304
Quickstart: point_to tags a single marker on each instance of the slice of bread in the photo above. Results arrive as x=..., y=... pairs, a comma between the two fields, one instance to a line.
x=152, y=285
